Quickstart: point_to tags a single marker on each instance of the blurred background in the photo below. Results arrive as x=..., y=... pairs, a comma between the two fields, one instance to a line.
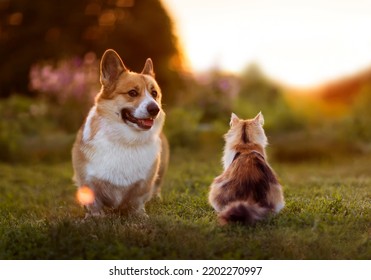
x=305, y=64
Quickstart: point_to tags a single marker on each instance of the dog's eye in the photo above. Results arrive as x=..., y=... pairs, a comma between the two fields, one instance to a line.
x=154, y=93
x=133, y=93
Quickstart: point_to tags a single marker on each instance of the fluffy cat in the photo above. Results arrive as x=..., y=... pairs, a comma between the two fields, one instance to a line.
x=248, y=189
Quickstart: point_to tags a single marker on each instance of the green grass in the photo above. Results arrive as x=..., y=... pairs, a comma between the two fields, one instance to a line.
x=327, y=216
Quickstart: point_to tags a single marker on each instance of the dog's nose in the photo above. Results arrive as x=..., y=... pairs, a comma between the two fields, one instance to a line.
x=153, y=109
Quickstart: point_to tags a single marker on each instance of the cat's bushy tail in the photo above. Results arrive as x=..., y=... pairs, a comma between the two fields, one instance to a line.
x=242, y=212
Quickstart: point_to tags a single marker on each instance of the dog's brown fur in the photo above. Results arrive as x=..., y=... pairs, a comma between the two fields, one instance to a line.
x=248, y=189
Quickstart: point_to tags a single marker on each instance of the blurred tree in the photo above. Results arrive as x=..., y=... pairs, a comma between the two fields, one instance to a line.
x=359, y=127
x=216, y=93
x=257, y=93
x=31, y=31
x=256, y=88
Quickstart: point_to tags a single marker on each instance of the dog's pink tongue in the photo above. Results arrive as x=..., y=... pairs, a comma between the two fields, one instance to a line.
x=147, y=122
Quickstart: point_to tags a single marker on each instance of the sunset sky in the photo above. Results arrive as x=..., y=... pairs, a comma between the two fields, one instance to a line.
x=298, y=42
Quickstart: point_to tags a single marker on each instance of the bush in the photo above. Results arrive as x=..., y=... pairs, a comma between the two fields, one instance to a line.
x=30, y=131
x=182, y=126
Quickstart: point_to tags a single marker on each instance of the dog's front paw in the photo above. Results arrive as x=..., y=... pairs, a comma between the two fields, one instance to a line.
x=157, y=197
x=141, y=214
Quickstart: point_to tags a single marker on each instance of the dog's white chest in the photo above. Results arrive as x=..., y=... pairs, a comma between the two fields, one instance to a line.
x=121, y=165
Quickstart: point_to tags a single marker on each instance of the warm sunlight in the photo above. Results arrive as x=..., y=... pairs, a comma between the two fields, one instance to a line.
x=301, y=43
x=85, y=195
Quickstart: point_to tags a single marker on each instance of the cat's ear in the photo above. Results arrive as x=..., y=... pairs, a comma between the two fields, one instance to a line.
x=259, y=119
x=234, y=120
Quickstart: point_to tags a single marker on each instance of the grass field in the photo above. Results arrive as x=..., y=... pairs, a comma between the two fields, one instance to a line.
x=327, y=216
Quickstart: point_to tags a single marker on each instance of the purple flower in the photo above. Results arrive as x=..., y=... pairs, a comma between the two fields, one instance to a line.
x=70, y=79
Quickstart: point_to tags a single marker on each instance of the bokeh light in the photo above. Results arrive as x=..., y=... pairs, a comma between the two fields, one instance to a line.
x=85, y=195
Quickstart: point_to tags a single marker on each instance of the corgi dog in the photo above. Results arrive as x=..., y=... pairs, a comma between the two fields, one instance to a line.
x=248, y=189
x=120, y=152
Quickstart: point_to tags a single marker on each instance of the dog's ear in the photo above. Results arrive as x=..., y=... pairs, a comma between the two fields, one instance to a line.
x=148, y=68
x=111, y=66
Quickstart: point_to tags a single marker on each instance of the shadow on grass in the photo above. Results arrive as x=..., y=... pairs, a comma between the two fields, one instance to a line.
x=290, y=235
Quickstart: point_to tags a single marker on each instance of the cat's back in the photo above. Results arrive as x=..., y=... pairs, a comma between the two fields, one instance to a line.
x=253, y=166
x=249, y=177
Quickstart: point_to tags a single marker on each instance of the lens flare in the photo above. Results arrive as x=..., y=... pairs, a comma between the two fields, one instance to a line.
x=85, y=195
